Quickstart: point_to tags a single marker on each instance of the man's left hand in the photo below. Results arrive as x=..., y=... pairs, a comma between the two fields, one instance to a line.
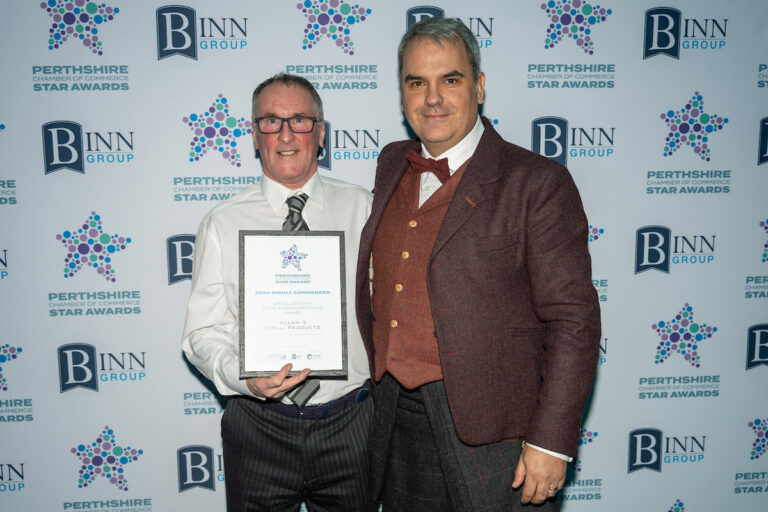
x=542, y=473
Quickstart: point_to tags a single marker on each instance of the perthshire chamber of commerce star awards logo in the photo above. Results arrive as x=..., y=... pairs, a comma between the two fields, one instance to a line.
x=331, y=19
x=7, y=354
x=681, y=335
x=104, y=458
x=691, y=126
x=759, y=446
x=89, y=246
x=77, y=19
x=595, y=233
x=573, y=19
x=677, y=506
x=216, y=130
x=293, y=257
x=586, y=437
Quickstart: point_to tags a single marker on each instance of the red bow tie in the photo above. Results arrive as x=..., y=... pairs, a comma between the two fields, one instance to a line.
x=437, y=167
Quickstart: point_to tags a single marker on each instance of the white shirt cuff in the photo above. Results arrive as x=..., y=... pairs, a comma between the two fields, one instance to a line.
x=550, y=452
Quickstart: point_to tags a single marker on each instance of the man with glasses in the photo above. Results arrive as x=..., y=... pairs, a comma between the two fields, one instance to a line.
x=278, y=450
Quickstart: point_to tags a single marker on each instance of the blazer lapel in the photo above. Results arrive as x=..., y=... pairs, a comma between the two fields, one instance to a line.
x=482, y=170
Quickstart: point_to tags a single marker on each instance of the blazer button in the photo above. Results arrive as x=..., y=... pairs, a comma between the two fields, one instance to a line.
x=393, y=323
x=398, y=287
x=413, y=223
x=405, y=255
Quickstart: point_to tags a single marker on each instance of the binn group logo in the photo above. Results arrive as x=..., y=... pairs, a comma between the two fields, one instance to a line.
x=181, y=32
x=681, y=335
x=180, y=251
x=649, y=448
x=80, y=366
x=348, y=144
x=691, y=126
x=551, y=137
x=11, y=478
x=757, y=346
x=77, y=19
x=656, y=248
x=762, y=151
x=67, y=146
x=196, y=467
x=573, y=20
x=217, y=130
x=87, y=246
x=666, y=32
x=3, y=262
x=8, y=353
x=331, y=19
x=105, y=458
x=481, y=28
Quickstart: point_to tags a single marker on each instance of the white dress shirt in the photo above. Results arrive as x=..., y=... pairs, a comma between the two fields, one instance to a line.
x=456, y=156
x=211, y=332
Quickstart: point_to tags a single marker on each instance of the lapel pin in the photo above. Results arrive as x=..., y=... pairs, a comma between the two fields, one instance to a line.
x=471, y=202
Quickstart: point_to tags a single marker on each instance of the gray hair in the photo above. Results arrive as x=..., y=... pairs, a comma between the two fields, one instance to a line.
x=439, y=30
x=291, y=81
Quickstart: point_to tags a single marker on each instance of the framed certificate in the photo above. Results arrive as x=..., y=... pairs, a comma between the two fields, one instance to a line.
x=292, y=303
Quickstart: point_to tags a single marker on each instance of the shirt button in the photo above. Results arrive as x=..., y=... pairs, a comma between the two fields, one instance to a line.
x=398, y=287
x=405, y=255
x=393, y=323
x=413, y=223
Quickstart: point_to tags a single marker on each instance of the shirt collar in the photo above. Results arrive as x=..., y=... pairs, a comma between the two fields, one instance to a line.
x=276, y=193
x=462, y=151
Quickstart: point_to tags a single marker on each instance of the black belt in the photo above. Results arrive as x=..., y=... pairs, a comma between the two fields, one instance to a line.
x=319, y=411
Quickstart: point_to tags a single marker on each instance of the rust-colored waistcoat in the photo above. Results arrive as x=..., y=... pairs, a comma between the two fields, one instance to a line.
x=403, y=329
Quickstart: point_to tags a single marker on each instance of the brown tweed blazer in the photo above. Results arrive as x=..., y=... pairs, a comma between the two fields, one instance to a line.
x=516, y=316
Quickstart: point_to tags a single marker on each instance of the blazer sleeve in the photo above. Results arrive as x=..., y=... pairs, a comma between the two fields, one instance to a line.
x=565, y=301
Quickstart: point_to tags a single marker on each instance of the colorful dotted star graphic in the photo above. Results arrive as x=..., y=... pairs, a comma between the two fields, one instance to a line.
x=586, y=437
x=332, y=19
x=78, y=19
x=293, y=257
x=7, y=354
x=690, y=126
x=2, y=127
x=681, y=335
x=573, y=19
x=104, y=458
x=764, y=225
x=595, y=233
x=88, y=246
x=677, y=506
x=760, y=428
x=216, y=129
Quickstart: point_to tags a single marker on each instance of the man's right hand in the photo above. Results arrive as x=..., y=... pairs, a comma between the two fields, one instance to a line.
x=276, y=385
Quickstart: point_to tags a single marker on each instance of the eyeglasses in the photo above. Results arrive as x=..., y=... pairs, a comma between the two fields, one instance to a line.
x=297, y=124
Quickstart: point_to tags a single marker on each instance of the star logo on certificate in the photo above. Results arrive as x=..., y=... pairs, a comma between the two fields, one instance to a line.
x=293, y=257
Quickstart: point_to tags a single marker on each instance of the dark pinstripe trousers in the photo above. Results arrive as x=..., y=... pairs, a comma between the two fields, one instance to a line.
x=419, y=464
x=274, y=462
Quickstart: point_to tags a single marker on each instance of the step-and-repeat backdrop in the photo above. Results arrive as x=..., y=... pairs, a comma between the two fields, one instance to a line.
x=122, y=123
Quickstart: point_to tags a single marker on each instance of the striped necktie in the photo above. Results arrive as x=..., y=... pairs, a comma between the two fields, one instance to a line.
x=301, y=394
x=294, y=221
